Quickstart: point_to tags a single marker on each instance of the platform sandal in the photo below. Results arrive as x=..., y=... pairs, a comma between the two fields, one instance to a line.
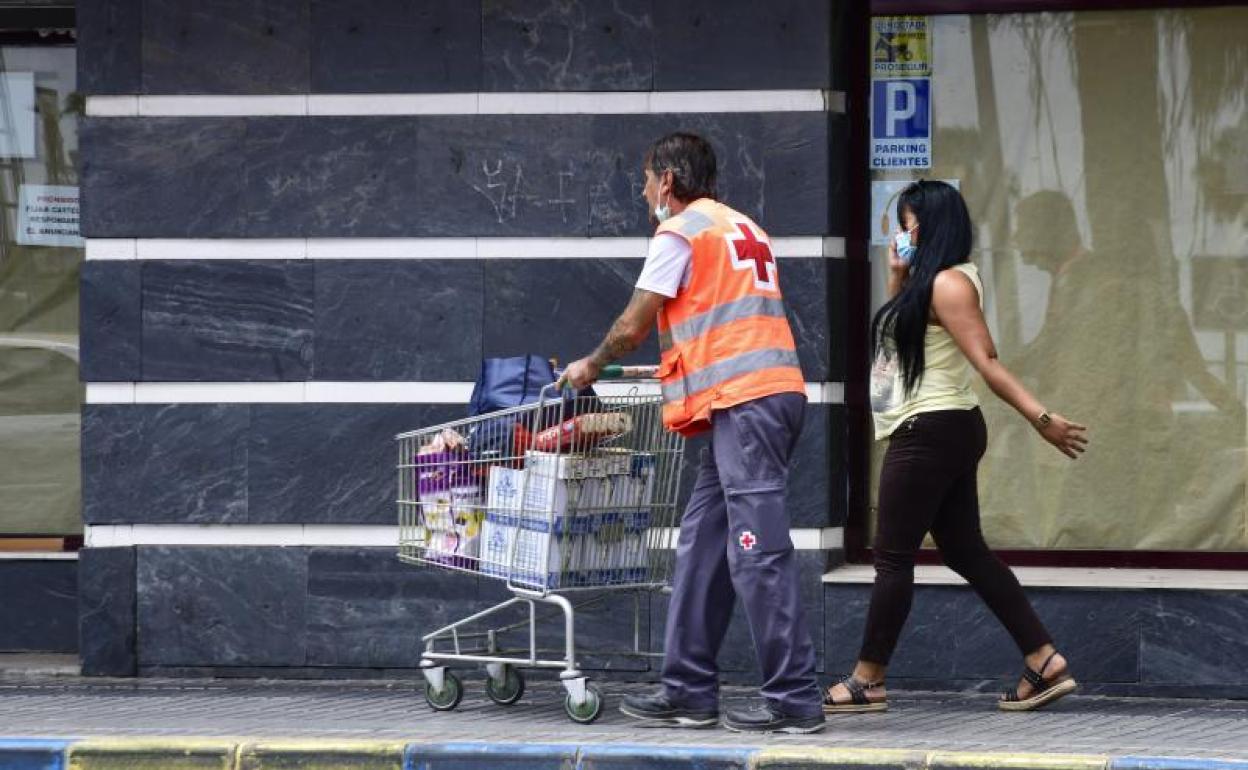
x=1044, y=690
x=859, y=703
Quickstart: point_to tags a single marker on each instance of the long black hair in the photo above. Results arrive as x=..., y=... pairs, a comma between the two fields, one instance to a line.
x=944, y=240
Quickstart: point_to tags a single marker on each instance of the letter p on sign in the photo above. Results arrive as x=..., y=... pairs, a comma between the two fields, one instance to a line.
x=902, y=104
x=901, y=109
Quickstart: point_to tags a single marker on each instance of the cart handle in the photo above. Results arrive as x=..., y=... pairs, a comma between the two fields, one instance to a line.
x=609, y=372
x=620, y=372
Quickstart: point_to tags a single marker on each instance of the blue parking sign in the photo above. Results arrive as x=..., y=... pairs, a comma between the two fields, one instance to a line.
x=901, y=123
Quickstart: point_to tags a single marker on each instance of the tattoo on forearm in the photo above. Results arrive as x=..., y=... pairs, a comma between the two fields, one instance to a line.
x=620, y=341
x=618, y=344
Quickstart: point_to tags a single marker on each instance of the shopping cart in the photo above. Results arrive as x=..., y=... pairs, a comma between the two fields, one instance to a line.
x=571, y=496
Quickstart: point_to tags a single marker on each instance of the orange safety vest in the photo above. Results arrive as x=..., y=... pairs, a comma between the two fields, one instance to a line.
x=724, y=338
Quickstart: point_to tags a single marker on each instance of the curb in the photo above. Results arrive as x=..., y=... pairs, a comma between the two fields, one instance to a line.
x=33, y=754
x=164, y=753
x=497, y=756
x=625, y=757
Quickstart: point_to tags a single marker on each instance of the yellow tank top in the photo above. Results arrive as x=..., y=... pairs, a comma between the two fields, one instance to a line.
x=946, y=382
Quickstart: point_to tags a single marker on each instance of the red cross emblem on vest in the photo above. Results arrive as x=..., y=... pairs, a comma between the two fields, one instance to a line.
x=750, y=253
x=747, y=540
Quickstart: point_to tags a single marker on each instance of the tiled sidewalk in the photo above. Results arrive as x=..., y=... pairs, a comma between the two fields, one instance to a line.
x=396, y=711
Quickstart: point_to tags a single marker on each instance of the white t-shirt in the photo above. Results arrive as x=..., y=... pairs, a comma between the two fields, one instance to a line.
x=668, y=265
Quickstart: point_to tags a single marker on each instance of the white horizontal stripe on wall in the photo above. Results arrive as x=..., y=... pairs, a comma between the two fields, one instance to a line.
x=351, y=392
x=1068, y=577
x=415, y=248
x=324, y=535
x=38, y=556
x=530, y=103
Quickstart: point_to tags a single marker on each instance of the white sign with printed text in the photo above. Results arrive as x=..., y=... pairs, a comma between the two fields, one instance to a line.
x=47, y=215
x=901, y=124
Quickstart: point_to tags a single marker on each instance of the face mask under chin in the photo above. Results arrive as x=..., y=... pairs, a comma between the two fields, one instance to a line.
x=663, y=211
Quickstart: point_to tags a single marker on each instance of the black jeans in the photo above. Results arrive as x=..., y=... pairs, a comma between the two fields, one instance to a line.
x=927, y=484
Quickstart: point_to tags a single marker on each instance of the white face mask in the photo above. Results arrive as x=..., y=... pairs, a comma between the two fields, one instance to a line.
x=663, y=211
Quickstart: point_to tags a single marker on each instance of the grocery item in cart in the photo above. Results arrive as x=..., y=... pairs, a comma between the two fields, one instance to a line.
x=446, y=440
x=579, y=434
x=438, y=471
x=514, y=547
x=460, y=545
x=450, y=508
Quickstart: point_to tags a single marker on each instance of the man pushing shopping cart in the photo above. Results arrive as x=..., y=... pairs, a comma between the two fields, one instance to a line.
x=728, y=366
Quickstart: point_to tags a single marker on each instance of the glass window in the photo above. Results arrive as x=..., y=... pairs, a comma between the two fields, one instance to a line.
x=1104, y=158
x=40, y=256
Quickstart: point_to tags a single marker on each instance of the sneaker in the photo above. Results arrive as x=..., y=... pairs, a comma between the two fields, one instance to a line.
x=657, y=710
x=769, y=719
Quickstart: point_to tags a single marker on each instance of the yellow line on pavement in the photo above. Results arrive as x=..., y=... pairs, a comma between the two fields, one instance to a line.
x=951, y=760
x=321, y=754
x=153, y=754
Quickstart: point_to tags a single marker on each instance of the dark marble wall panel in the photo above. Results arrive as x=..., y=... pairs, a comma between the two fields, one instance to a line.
x=489, y=175
x=558, y=307
x=837, y=473
x=837, y=187
x=201, y=606
x=400, y=319
x=837, y=303
x=39, y=612
x=226, y=46
x=322, y=463
x=109, y=326
x=751, y=149
x=330, y=463
x=106, y=611
x=563, y=308
x=808, y=497
x=1191, y=637
x=227, y=320
x=553, y=45
x=390, y=46
x=371, y=320
x=804, y=283
x=605, y=625
x=704, y=44
x=146, y=464
x=368, y=609
x=952, y=636
x=503, y=175
x=795, y=189
x=331, y=177
x=737, y=659
x=839, y=38
x=110, y=39
x=162, y=177
x=395, y=46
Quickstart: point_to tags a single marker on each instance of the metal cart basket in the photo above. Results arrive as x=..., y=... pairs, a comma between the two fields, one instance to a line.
x=567, y=498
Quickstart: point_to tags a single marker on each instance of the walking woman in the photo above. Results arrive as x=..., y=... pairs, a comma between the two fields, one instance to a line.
x=926, y=338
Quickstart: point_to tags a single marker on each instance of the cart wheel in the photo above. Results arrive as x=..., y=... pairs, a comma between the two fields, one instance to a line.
x=448, y=697
x=589, y=711
x=510, y=691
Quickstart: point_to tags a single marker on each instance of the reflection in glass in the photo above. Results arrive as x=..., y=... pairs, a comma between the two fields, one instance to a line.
x=1104, y=154
x=40, y=396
